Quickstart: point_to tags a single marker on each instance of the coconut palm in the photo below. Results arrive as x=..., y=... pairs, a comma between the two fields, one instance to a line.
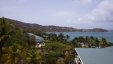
x=34, y=57
x=103, y=42
x=61, y=37
x=4, y=34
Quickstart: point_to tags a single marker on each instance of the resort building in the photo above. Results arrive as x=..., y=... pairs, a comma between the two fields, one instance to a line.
x=95, y=55
x=39, y=40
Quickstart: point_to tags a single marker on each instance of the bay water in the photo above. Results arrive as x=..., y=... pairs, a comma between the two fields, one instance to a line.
x=107, y=35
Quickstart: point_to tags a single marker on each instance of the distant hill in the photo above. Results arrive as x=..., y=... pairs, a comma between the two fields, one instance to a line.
x=27, y=27
x=110, y=30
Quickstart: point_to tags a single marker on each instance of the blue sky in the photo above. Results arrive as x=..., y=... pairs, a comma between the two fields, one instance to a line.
x=71, y=13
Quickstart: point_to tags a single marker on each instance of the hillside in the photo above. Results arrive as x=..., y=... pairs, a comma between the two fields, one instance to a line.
x=51, y=28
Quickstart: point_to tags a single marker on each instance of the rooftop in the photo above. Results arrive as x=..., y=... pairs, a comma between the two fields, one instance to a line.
x=37, y=38
x=96, y=55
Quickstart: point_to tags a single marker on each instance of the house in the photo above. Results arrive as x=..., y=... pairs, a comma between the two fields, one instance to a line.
x=95, y=55
x=84, y=44
x=39, y=40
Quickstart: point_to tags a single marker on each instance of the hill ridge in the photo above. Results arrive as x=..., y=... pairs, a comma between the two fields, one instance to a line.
x=52, y=28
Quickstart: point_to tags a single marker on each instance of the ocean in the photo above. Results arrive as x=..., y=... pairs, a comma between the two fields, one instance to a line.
x=107, y=35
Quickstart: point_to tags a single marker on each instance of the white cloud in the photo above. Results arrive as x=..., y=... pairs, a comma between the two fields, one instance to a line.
x=103, y=12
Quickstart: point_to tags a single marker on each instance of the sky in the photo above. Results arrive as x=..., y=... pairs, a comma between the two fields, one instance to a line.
x=82, y=14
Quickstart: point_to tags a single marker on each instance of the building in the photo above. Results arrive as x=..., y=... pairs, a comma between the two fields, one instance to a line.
x=95, y=55
x=39, y=40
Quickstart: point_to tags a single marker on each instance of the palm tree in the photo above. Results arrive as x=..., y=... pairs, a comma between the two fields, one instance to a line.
x=92, y=41
x=81, y=38
x=61, y=37
x=34, y=57
x=67, y=36
x=4, y=34
x=9, y=34
x=97, y=42
x=76, y=42
x=103, y=42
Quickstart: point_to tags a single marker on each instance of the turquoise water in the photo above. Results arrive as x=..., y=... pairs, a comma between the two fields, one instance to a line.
x=107, y=35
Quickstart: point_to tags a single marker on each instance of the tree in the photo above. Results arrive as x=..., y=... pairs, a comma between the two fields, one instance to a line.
x=80, y=39
x=97, y=42
x=103, y=42
x=5, y=31
x=61, y=37
x=92, y=41
x=12, y=43
x=34, y=57
x=67, y=37
x=52, y=37
x=75, y=42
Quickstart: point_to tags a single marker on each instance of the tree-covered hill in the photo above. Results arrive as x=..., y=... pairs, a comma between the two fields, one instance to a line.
x=28, y=27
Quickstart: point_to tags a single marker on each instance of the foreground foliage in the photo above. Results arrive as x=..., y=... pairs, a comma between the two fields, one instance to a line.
x=90, y=42
x=17, y=47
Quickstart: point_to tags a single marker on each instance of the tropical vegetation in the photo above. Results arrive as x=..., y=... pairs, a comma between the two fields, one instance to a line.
x=17, y=47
